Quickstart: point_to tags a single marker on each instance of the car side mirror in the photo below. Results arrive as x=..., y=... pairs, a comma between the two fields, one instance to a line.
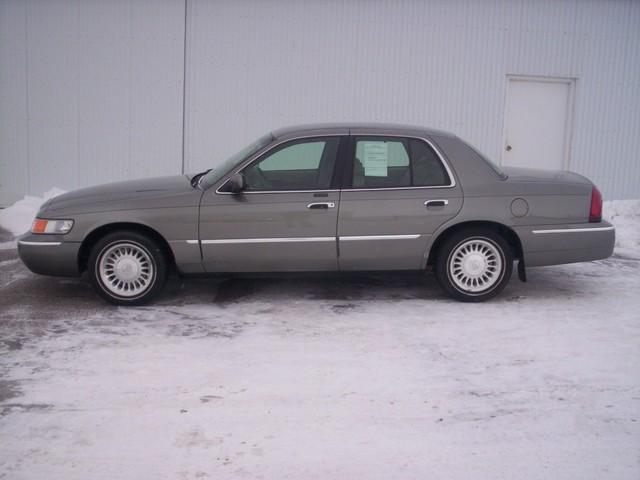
x=236, y=183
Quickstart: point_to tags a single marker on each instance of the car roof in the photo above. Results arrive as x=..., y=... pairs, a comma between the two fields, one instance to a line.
x=356, y=127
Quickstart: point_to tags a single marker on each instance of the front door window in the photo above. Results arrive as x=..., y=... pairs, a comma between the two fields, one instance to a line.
x=297, y=165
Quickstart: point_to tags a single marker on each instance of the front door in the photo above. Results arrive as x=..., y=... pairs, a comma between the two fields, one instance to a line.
x=284, y=220
x=537, y=123
x=400, y=191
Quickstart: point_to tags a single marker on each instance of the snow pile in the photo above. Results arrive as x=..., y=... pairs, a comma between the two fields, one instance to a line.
x=18, y=217
x=8, y=245
x=625, y=215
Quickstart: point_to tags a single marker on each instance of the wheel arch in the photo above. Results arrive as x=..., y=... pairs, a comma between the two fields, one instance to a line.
x=99, y=232
x=510, y=236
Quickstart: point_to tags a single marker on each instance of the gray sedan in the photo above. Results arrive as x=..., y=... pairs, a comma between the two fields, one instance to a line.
x=319, y=198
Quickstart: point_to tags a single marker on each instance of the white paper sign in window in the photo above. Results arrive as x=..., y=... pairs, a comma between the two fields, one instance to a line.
x=376, y=159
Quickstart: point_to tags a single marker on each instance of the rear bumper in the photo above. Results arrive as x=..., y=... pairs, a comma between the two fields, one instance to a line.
x=557, y=244
x=49, y=255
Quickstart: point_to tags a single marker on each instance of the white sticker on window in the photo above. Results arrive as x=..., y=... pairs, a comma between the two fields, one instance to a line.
x=376, y=159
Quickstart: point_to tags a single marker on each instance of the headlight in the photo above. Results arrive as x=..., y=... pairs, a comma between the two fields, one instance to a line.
x=51, y=226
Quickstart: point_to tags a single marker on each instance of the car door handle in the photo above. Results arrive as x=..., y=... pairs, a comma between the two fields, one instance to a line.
x=436, y=203
x=321, y=205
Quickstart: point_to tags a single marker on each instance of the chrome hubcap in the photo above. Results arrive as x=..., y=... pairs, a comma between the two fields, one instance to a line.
x=475, y=265
x=126, y=269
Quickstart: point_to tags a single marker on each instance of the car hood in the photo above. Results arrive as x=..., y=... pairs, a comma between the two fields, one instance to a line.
x=143, y=193
x=517, y=174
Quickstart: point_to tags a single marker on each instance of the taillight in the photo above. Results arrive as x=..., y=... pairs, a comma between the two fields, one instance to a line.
x=595, y=213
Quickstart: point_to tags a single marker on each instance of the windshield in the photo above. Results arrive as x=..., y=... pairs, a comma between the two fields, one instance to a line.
x=220, y=170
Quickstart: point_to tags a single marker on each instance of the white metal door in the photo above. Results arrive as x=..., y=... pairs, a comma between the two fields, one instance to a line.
x=537, y=123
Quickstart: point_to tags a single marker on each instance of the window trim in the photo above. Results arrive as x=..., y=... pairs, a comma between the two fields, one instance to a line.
x=342, y=162
x=348, y=183
x=259, y=155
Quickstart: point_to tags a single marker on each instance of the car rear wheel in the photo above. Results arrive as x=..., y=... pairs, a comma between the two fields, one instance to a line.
x=127, y=268
x=474, y=265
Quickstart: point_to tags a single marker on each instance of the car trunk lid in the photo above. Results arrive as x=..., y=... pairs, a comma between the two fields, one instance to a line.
x=518, y=174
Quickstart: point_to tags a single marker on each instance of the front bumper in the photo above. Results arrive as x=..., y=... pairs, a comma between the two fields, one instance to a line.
x=49, y=255
x=558, y=244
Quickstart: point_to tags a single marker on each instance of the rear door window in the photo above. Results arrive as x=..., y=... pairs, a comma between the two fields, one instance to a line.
x=395, y=162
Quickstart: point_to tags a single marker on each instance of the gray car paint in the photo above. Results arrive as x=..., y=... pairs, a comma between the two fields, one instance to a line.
x=196, y=224
x=395, y=211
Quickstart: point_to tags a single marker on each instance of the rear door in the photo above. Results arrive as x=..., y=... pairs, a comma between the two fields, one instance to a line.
x=286, y=218
x=398, y=191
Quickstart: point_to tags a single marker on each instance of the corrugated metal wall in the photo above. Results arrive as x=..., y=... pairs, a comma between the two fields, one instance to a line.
x=255, y=65
x=89, y=92
x=92, y=91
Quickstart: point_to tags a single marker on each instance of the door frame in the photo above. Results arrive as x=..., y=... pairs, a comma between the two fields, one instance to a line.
x=399, y=241
x=215, y=196
x=568, y=137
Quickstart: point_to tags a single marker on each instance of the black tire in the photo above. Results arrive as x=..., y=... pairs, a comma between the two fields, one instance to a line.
x=153, y=264
x=498, y=274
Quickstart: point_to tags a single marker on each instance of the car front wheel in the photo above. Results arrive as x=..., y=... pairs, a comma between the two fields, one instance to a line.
x=474, y=265
x=127, y=268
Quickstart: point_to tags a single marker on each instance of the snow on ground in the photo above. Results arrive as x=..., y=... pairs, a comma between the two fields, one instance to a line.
x=18, y=217
x=376, y=377
x=625, y=215
x=8, y=245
